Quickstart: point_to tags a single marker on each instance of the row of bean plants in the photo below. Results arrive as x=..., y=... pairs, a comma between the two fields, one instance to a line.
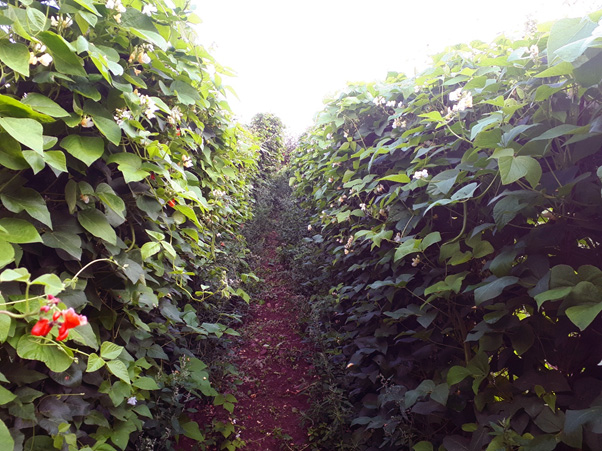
x=461, y=209
x=122, y=183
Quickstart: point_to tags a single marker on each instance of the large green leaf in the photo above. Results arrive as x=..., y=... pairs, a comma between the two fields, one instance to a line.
x=65, y=60
x=85, y=148
x=27, y=131
x=56, y=358
x=583, y=315
x=18, y=231
x=515, y=168
x=97, y=224
x=43, y=104
x=141, y=25
x=104, y=121
x=69, y=242
x=118, y=368
x=29, y=200
x=5, y=321
x=5, y=438
x=15, y=55
x=493, y=289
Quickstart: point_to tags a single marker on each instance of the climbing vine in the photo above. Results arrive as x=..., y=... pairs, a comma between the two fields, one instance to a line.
x=460, y=209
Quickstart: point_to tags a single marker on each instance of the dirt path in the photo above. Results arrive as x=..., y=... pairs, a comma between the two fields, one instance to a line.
x=274, y=366
x=274, y=369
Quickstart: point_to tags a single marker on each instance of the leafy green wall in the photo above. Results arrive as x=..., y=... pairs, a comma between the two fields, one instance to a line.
x=122, y=184
x=462, y=212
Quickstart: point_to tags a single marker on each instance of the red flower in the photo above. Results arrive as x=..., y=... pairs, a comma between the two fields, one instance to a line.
x=56, y=315
x=71, y=320
x=172, y=203
x=152, y=176
x=41, y=328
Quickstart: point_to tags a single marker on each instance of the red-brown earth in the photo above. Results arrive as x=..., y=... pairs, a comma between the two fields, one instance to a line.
x=274, y=368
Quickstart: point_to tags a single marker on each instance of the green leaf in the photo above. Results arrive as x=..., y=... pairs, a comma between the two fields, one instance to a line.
x=191, y=430
x=130, y=165
x=52, y=283
x=56, y=159
x=562, y=68
x=142, y=26
x=43, y=104
x=493, y=289
x=514, y=168
x=104, y=121
x=29, y=200
x=94, y=363
x=15, y=55
x=149, y=249
x=583, y=315
x=65, y=61
x=406, y=248
x=118, y=368
x=145, y=383
x=109, y=350
x=564, y=129
x=399, y=178
x=106, y=194
x=27, y=131
x=7, y=253
x=10, y=107
x=423, y=446
x=6, y=396
x=69, y=242
x=18, y=231
x=567, y=31
x=552, y=295
x=5, y=437
x=97, y=224
x=457, y=374
x=85, y=148
x=185, y=93
x=430, y=239
x=5, y=321
x=56, y=358
x=574, y=419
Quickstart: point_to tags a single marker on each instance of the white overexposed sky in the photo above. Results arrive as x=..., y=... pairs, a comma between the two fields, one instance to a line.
x=290, y=55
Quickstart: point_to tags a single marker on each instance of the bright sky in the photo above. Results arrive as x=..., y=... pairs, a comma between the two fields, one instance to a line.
x=290, y=55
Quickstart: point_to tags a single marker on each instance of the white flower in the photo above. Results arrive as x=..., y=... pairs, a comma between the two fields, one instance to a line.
x=399, y=123
x=534, y=51
x=149, y=10
x=391, y=104
x=454, y=96
x=363, y=207
x=175, y=116
x=54, y=21
x=86, y=122
x=309, y=227
x=187, y=161
x=379, y=100
x=416, y=261
x=132, y=401
x=122, y=115
x=397, y=238
x=45, y=59
x=143, y=58
x=115, y=5
x=39, y=47
x=330, y=180
x=420, y=174
x=33, y=60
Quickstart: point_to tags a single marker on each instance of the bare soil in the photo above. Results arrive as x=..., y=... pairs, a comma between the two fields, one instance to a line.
x=274, y=365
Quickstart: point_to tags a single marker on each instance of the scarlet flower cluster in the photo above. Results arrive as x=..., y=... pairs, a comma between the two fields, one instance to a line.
x=69, y=317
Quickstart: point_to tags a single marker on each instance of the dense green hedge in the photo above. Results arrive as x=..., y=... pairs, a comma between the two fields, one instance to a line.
x=122, y=184
x=462, y=209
